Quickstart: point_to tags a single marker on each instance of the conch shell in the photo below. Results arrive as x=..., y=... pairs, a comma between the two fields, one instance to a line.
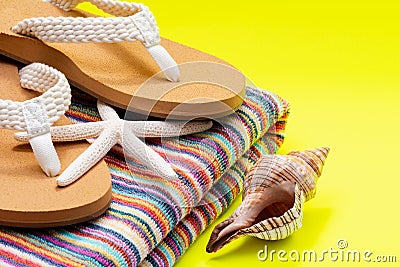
x=273, y=197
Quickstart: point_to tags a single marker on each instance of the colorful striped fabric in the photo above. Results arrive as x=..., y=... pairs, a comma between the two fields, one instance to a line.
x=150, y=220
x=214, y=203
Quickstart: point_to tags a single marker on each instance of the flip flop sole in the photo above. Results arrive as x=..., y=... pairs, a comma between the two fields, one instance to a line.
x=28, y=198
x=116, y=72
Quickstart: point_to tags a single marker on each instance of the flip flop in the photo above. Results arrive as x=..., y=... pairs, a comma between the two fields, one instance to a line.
x=29, y=198
x=113, y=66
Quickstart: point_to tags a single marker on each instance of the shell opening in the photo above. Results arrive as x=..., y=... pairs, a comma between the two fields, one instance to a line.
x=274, y=202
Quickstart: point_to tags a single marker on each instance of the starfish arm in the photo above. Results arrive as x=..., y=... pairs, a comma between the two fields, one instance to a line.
x=68, y=133
x=135, y=148
x=89, y=158
x=106, y=112
x=166, y=129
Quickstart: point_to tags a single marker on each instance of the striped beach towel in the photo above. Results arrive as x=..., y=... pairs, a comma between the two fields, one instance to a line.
x=152, y=223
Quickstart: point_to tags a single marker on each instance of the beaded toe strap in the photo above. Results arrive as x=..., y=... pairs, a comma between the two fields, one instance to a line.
x=35, y=116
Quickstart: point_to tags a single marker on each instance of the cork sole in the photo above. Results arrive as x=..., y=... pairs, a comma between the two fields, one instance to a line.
x=28, y=198
x=115, y=73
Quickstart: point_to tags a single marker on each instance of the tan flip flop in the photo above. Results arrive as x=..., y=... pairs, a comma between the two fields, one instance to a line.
x=118, y=56
x=29, y=198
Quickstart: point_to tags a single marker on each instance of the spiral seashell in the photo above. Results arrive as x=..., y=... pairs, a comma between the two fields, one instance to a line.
x=300, y=167
x=273, y=197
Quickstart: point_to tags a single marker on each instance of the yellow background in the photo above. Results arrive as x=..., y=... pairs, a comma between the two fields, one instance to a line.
x=337, y=62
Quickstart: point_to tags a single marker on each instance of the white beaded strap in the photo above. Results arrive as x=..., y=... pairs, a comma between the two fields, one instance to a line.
x=35, y=116
x=135, y=22
x=115, y=8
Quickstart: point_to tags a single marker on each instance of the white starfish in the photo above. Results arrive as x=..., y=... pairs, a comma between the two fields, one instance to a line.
x=110, y=132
